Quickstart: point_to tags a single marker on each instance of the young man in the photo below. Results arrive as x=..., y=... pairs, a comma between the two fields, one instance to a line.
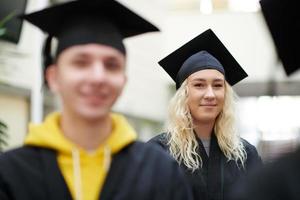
x=85, y=151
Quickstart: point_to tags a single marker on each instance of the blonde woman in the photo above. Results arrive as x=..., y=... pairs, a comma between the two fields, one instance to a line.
x=200, y=134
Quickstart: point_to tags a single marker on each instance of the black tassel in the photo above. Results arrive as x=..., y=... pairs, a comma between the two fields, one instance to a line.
x=47, y=58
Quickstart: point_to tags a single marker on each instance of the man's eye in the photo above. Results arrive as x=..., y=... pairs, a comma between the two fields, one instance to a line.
x=80, y=63
x=112, y=65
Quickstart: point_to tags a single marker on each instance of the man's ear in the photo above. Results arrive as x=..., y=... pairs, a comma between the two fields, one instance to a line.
x=125, y=79
x=51, y=78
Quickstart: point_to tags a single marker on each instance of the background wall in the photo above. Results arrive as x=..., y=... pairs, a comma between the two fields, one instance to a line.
x=238, y=23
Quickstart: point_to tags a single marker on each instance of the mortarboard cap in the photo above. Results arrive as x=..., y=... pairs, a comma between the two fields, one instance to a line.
x=202, y=52
x=88, y=21
x=282, y=19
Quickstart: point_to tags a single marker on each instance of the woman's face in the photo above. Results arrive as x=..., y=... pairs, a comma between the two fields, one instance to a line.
x=206, y=94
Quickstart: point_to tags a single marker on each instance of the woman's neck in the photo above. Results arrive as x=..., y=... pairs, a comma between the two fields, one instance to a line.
x=204, y=129
x=87, y=134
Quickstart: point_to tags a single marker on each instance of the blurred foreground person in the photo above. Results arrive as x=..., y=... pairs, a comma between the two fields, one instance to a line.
x=201, y=133
x=86, y=151
x=279, y=180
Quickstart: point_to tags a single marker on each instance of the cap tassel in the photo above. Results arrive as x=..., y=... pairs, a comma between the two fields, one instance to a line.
x=47, y=58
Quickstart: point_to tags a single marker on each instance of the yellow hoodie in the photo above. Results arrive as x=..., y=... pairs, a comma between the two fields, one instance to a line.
x=83, y=171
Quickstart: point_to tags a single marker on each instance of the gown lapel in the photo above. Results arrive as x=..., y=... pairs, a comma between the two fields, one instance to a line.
x=115, y=176
x=215, y=171
x=55, y=183
x=212, y=169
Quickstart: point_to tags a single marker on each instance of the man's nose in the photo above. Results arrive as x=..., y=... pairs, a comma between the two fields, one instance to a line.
x=97, y=72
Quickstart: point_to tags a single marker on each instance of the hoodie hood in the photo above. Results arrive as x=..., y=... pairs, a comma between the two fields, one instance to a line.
x=49, y=135
x=81, y=168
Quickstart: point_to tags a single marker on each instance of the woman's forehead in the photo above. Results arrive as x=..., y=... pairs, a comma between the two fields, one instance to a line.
x=207, y=74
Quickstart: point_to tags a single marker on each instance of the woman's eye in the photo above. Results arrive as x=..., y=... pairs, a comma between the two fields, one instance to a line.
x=199, y=85
x=218, y=85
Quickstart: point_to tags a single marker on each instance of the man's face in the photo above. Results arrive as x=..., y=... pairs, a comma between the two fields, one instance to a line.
x=89, y=79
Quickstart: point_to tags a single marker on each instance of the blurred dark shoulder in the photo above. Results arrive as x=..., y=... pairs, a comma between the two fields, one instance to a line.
x=253, y=158
x=161, y=140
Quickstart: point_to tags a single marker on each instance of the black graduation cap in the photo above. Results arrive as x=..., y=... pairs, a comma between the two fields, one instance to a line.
x=282, y=18
x=210, y=48
x=88, y=21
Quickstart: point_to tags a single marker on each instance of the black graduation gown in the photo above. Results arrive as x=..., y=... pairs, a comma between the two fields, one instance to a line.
x=279, y=180
x=140, y=171
x=216, y=178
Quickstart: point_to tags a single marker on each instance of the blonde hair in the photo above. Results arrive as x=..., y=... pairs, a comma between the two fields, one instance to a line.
x=182, y=141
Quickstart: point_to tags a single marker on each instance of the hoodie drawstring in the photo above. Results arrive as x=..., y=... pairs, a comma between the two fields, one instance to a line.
x=76, y=174
x=107, y=158
x=77, y=169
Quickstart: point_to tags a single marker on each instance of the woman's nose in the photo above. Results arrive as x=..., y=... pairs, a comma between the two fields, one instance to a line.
x=210, y=92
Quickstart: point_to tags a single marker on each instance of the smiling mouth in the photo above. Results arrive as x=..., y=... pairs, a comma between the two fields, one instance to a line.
x=95, y=94
x=95, y=98
x=209, y=105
